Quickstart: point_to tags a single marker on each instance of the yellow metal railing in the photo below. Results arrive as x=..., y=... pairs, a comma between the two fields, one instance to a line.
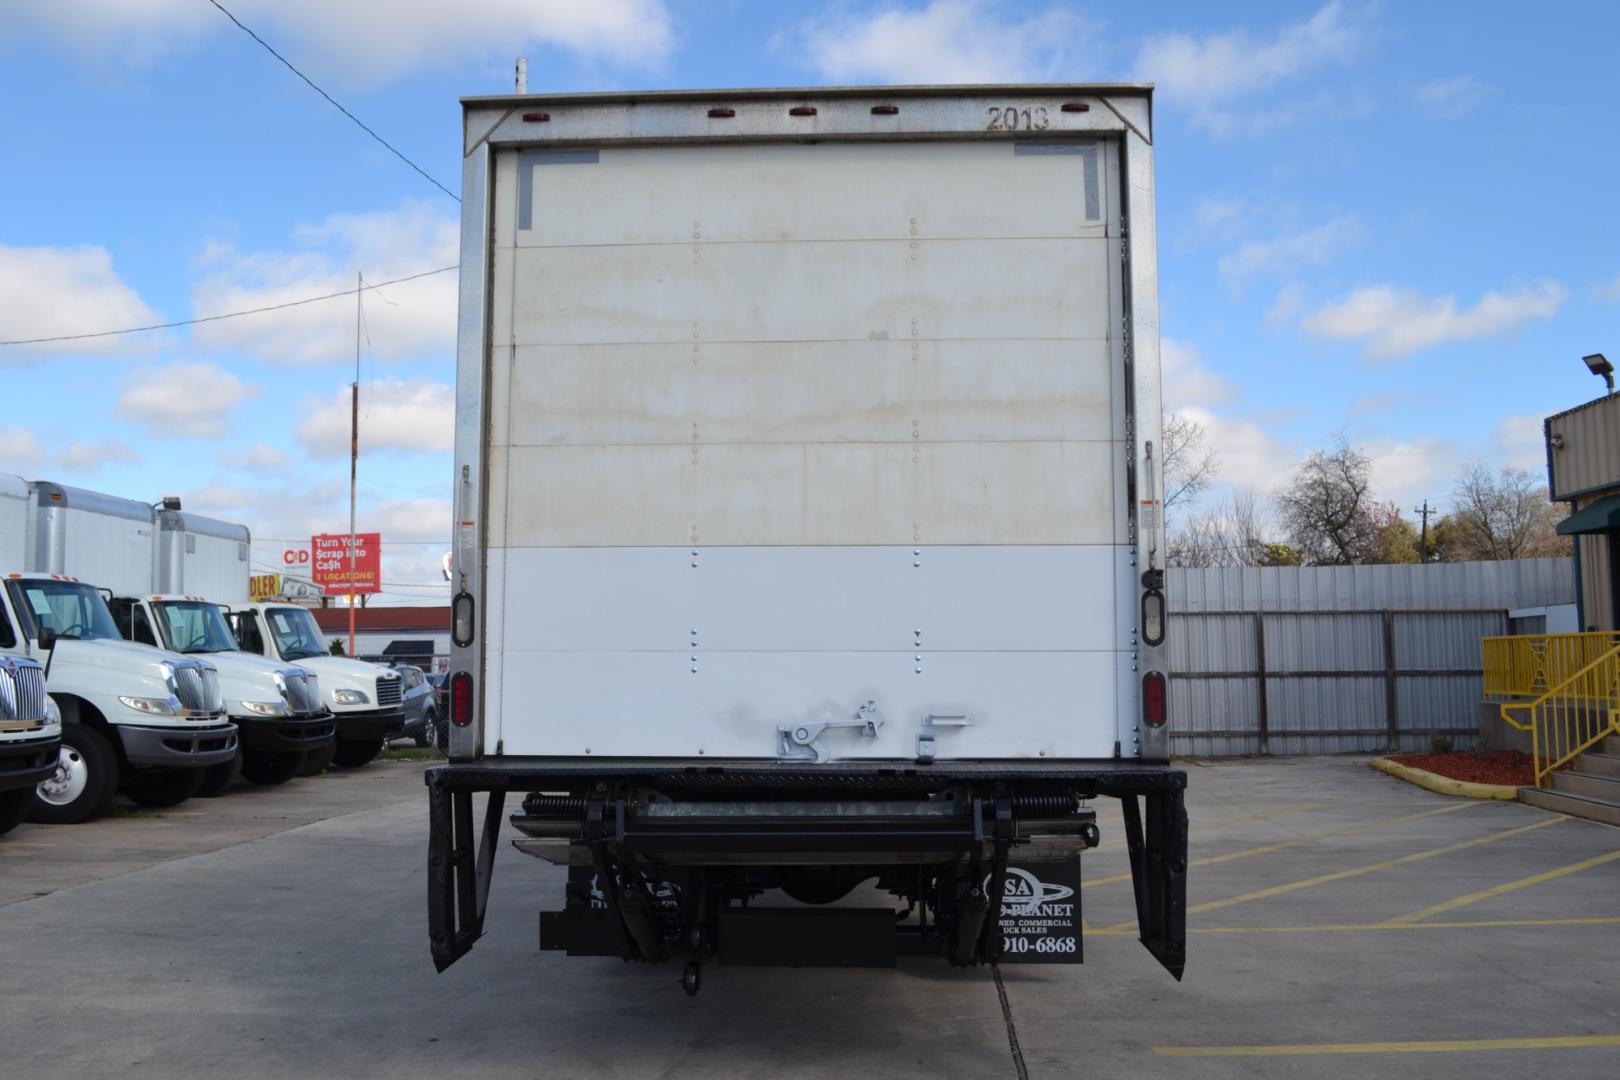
x=1528, y=665
x=1572, y=716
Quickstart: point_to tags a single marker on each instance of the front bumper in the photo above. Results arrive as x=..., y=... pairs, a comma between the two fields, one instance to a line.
x=26, y=762
x=277, y=734
x=369, y=725
x=178, y=748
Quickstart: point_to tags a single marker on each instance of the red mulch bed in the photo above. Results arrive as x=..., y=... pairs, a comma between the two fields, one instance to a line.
x=1492, y=767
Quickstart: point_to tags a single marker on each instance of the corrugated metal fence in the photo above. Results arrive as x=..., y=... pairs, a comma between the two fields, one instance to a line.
x=1316, y=660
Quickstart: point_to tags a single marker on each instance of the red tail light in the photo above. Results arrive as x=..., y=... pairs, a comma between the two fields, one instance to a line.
x=1153, y=703
x=802, y=110
x=461, y=699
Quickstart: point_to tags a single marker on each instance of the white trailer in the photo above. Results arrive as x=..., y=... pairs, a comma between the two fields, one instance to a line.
x=808, y=520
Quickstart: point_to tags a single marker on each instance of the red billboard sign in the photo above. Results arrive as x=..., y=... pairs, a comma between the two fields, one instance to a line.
x=330, y=563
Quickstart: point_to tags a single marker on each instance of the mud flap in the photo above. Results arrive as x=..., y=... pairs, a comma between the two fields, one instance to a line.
x=459, y=869
x=1159, y=874
x=1040, y=913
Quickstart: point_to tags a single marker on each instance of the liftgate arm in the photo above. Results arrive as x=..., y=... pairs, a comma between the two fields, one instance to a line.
x=458, y=871
x=1159, y=874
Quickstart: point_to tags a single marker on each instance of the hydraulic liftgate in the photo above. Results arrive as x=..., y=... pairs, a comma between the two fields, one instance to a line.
x=461, y=852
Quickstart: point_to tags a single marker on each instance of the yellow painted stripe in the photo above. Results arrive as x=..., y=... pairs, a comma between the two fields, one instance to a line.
x=1211, y=860
x=1340, y=875
x=1358, y=928
x=1507, y=887
x=1436, y=1046
x=1258, y=815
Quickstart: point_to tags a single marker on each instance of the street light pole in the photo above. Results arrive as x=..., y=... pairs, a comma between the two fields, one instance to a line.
x=354, y=443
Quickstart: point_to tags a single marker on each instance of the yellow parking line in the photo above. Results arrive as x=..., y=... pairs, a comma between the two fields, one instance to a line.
x=1358, y=928
x=1498, y=890
x=1281, y=811
x=1340, y=875
x=1211, y=860
x=1435, y=1046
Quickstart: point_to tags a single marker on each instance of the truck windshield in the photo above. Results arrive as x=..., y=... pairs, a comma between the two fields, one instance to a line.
x=192, y=627
x=68, y=608
x=297, y=636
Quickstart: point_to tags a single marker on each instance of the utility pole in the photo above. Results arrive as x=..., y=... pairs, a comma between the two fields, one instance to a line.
x=1423, y=543
x=354, y=442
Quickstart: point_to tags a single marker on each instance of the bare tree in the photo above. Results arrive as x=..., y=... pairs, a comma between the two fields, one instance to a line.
x=1189, y=465
x=1326, y=511
x=1504, y=515
x=1231, y=533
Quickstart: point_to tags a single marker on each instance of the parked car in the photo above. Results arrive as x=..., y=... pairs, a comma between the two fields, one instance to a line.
x=420, y=704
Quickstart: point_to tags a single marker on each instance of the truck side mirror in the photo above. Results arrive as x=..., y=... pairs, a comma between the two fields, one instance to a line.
x=47, y=638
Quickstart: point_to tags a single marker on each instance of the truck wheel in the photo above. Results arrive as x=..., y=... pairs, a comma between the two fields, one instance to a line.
x=218, y=779
x=158, y=788
x=85, y=782
x=316, y=761
x=13, y=808
x=352, y=754
x=274, y=767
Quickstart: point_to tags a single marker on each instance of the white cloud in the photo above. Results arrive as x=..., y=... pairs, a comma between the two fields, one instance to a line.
x=1208, y=74
x=183, y=399
x=1187, y=379
x=49, y=291
x=944, y=41
x=20, y=449
x=1288, y=306
x=1287, y=254
x=358, y=39
x=412, y=319
x=395, y=415
x=1395, y=322
x=1406, y=472
x=1520, y=441
x=411, y=520
x=1607, y=290
x=1250, y=455
x=1448, y=99
x=258, y=458
x=92, y=456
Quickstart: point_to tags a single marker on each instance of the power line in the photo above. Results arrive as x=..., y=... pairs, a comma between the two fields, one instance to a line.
x=245, y=29
x=226, y=315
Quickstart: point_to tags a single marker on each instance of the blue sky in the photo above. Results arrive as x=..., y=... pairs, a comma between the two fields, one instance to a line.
x=1394, y=220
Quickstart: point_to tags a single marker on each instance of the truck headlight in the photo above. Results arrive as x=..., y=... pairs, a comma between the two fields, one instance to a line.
x=350, y=697
x=155, y=706
x=265, y=708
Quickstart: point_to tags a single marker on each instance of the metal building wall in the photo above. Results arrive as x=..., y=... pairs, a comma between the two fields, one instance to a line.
x=1309, y=660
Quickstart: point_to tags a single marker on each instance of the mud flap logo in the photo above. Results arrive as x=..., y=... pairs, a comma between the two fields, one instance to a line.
x=1040, y=913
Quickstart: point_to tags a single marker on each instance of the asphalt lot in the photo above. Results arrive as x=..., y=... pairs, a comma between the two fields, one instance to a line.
x=1343, y=924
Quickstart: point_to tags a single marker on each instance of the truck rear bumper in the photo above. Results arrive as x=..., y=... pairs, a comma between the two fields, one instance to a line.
x=178, y=748
x=27, y=762
x=369, y=726
x=963, y=816
x=282, y=734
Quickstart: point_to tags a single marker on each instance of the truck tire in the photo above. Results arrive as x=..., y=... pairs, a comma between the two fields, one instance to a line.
x=159, y=788
x=13, y=808
x=218, y=779
x=352, y=754
x=317, y=761
x=273, y=767
x=85, y=782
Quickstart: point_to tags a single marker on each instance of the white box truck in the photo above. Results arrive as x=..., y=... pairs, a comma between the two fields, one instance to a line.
x=30, y=724
x=144, y=721
x=200, y=565
x=809, y=543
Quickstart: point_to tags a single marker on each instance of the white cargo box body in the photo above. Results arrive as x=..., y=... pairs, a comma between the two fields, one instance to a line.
x=763, y=417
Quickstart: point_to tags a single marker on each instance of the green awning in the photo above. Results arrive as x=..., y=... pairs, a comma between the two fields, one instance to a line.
x=1596, y=517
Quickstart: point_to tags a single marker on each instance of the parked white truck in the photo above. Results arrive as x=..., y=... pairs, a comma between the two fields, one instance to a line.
x=808, y=523
x=135, y=719
x=277, y=708
x=30, y=724
x=364, y=697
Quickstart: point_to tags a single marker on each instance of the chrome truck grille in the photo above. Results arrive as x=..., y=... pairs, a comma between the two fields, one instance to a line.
x=22, y=693
x=197, y=687
x=303, y=692
x=390, y=691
